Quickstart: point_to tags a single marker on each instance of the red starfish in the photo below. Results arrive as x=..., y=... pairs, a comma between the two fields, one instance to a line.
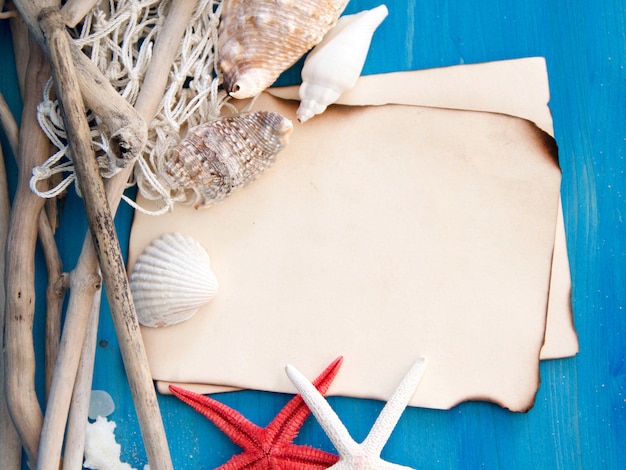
x=270, y=447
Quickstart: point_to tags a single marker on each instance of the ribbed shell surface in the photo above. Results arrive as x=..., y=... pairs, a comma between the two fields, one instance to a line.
x=221, y=156
x=259, y=39
x=171, y=280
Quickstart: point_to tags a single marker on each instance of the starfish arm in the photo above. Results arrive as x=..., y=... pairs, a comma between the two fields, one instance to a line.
x=299, y=457
x=247, y=460
x=269, y=447
x=393, y=409
x=286, y=425
x=327, y=418
x=369, y=464
x=242, y=432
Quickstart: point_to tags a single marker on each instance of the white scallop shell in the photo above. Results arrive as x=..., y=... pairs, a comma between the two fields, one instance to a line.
x=334, y=65
x=171, y=280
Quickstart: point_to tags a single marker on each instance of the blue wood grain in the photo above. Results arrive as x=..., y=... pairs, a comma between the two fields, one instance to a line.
x=579, y=418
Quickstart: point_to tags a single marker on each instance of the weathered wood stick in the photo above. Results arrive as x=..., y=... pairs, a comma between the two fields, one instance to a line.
x=9, y=125
x=58, y=283
x=85, y=283
x=127, y=132
x=21, y=49
x=21, y=241
x=22, y=44
x=7, y=14
x=10, y=445
x=167, y=43
x=56, y=279
x=75, y=10
x=118, y=114
x=79, y=411
x=107, y=247
x=80, y=299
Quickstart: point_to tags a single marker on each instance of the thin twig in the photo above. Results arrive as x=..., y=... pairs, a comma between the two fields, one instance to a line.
x=55, y=293
x=9, y=125
x=107, y=247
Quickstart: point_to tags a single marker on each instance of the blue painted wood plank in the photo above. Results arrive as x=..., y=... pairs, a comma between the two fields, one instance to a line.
x=579, y=418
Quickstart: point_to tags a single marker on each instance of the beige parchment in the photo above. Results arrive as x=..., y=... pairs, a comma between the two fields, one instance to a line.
x=385, y=232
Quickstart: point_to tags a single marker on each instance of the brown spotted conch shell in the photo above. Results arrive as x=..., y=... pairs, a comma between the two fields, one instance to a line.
x=171, y=280
x=221, y=156
x=259, y=39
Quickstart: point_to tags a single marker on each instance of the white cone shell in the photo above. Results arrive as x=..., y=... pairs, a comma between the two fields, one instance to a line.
x=335, y=64
x=171, y=280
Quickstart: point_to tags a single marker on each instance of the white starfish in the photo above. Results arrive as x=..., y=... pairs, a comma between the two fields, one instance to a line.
x=365, y=455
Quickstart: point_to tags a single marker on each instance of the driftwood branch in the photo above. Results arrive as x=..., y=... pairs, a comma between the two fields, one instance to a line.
x=53, y=314
x=85, y=283
x=84, y=280
x=80, y=300
x=56, y=277
x=106, y=244
x=21, y=49
x=19, y=349
x=10, y=445
x=79, y=412
x=9, y=125
x=75, y=10
x=55, y=293
x=127, y=132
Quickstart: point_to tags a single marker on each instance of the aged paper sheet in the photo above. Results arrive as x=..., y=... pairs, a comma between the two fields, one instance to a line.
x=382, y=233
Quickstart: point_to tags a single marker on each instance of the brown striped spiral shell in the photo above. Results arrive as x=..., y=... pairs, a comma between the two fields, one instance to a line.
x=221, y=156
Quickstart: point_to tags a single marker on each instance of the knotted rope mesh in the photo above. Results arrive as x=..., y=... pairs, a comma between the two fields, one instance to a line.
x=119, y=37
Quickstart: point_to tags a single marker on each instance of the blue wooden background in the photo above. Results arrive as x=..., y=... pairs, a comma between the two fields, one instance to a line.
x=579, y=418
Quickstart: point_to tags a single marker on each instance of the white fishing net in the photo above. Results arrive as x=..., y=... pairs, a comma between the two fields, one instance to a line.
x=119, y=37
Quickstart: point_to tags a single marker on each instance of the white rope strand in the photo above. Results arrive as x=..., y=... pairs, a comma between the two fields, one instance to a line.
x=119, y=38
